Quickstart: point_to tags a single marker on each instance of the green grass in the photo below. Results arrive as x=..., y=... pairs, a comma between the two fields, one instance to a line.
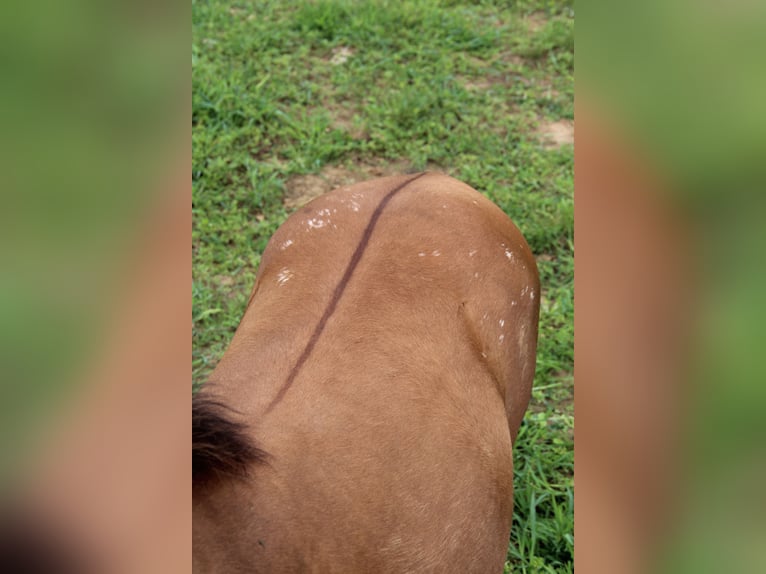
x=465, y=89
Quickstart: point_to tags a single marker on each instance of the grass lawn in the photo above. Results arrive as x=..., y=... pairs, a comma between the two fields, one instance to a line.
x=293, y=98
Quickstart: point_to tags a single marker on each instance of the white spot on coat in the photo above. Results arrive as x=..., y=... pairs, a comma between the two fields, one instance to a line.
x=472, y=253
x=523, y=339
x=436, y=253
x=286, y=244
x=315, y=223
x=421, y=254
x=284, y=276
x=501, y=322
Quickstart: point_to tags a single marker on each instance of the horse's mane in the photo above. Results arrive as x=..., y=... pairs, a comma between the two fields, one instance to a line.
x=220, y=445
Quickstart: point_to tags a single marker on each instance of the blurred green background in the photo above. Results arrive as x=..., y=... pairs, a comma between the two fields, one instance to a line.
x=684, y=83
x=291, y=99
x=89, y=109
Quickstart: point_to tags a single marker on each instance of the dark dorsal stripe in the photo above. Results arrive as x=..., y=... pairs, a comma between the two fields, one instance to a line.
x=339, y=289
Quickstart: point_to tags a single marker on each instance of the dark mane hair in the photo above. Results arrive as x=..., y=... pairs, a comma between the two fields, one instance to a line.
x=220, y=445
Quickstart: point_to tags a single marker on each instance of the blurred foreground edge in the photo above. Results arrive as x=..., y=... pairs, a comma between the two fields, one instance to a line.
x=634, y=297
x=110, y=493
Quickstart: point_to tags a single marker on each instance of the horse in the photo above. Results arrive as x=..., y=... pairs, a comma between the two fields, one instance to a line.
x=363, y=416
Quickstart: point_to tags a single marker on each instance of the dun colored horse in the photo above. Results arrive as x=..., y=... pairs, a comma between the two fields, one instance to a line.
x=362, y=418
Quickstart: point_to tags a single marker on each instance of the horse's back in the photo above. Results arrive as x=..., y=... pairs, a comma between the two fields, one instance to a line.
x=389, y=349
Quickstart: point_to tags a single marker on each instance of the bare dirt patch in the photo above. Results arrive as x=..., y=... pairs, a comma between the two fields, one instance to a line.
x=535, y=22
x=485, y=77
x=478, y=84
x=223, y=280
x=547, y=89
x=338, y=176
x=342, y=117
x=513, y=59
x=300, y=189
x=340, y=55
x=382, y=168
x=345, y=117
x=556, y=134
x=229, y=287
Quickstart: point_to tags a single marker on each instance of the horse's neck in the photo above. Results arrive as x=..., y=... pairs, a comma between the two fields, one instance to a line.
x=256, y=364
